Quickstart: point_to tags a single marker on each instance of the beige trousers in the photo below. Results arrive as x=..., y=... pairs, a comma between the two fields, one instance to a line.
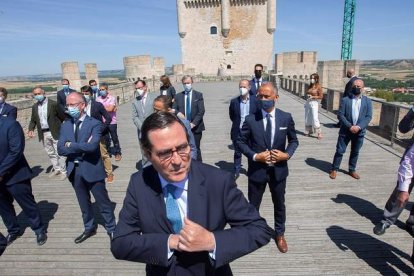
x=105, y=157
x=50, y=146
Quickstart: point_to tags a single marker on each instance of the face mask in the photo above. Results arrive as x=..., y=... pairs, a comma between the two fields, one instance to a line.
x=140, y=91
x=356, y=91
x=1, y=100
x=243, y=91
x=257, y=74
x=87, y=98
x=74, y=112
x=65, y=86
x=187, y=87
x=39, y=98
x=312, y=81
x=94, y=88
x=267, y=104
x=103, y=93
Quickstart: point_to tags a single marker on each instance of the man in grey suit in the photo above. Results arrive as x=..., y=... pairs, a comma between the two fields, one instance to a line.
x=142, y=107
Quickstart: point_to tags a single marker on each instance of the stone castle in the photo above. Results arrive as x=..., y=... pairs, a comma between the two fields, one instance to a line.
x=226, y=37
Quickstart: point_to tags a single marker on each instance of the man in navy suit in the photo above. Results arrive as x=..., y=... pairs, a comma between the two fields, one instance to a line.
x=350, y=73
x=189, y=104
x=257, y=81
x=263, y=140
x=6, y=110
x=15, y=176
x=239, y=108
x=79, y=142
x=63, y=93
x=175, y=211
x=354, y=115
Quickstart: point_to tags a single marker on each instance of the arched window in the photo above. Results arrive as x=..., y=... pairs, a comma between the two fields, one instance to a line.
x=228, y=66
x=213, y=30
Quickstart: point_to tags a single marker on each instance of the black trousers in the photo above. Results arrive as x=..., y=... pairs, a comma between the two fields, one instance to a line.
x=197, y=139
x=277, y=190
x=22, y=193
x=113, y=135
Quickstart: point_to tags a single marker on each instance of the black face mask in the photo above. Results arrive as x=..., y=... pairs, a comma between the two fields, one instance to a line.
x=258, y=74
x=356, y=91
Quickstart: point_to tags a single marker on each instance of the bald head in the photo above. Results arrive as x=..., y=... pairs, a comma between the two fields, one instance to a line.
x=350, y=72
x=358, y=83
x=268, y=87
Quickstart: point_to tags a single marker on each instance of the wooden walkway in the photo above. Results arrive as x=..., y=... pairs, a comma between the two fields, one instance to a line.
x=329, y=222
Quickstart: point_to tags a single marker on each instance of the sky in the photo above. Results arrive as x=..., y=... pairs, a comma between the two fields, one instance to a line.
x=36, y=36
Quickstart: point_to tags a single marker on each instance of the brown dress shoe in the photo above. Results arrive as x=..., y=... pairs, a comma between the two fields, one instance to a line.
x=354, y=175
x=332, y=174
x=281, y=244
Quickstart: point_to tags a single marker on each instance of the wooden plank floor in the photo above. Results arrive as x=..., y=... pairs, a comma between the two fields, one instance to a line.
x=329, y=222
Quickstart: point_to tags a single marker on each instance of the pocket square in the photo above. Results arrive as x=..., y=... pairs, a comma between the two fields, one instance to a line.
x=282, y=128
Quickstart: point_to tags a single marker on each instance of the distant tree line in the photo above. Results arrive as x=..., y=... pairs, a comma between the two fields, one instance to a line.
x=387, y=84
x=394, y=97
x=27, y=89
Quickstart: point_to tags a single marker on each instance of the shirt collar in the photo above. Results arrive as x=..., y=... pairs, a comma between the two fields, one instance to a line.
x=272, y=114
x=183, y=185
x=43, y=102
x=82, y=118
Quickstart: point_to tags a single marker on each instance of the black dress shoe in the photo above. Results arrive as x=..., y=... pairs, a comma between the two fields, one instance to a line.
x=11, y=238
x=41, y=238
x=85, y=236
x=380, y=228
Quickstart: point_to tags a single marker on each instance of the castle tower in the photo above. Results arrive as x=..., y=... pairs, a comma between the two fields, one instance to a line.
x=138, y=67
x=70, y=71
x=226, y=35
x=91, y=72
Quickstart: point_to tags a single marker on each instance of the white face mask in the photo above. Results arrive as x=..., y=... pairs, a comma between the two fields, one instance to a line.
x=140, y=92
x=243, y=91
x=312, y=81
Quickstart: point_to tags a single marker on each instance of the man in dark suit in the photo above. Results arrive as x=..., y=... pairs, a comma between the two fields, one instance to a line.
x=79, y=142
x=189, y=104
x=6, y=110
x=350, y=73
x=47, y=118
x=96, y=110
x=62, y=94
x=399, y=197
x=257, y=81
x=15, y=175
x=175, y=211
x=239, y=108
x=263, y=140
x=354, y=114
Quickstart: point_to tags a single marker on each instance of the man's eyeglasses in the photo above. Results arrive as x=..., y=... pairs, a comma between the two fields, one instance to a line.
x=73, y=105
x=166, y=155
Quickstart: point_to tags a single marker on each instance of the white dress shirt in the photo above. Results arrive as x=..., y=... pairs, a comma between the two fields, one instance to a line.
x=42, y=111
x=356, y=107
x=405, y=171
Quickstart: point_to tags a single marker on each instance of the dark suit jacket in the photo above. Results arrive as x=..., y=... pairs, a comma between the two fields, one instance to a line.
x=9, y=111
x=61, y=98
x=13, y=165
x=197, y=109
x=348, y=87
x=99, y=113
x=235, y=115
x=253, y=91
x=345, y=115
x=86, y=150
x=252, y=140
x=55, y=117
x=213, y=201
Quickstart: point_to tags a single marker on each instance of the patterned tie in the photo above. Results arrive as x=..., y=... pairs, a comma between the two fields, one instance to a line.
x=188, y=108
x=268, y=131
x=173, y=212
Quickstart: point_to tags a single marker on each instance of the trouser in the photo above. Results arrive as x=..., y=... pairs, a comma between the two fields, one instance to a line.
x=197, y=139
x=343, y=141
x=392, y=211
x=83, y=190
x=50, y=146
x=312, y=117
x=22, y=193
x=105, y=157
x=237, y=158
x=277, y=190
x=113, y=135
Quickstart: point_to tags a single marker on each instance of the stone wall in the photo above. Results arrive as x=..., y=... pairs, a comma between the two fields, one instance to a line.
x=70, y=71
x=91, y=72
x=332, y=73
x=297, y=65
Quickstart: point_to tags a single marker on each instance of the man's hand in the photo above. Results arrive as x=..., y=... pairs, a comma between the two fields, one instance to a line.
x=192, y=125
x=195, y=238
x=180, y=115
x=402, y=198
x=30, y=133
x=173, y=242
x=277, y=156
x=263, y=157
x=354, y=129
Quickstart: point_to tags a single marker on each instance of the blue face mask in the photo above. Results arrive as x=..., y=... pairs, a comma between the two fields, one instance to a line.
x=187, y=87
x=39, y=98
x=87, y=98
x=103, y=93
x=267, y=104
x=94, y=88
x=74, y=112
x=65, y=86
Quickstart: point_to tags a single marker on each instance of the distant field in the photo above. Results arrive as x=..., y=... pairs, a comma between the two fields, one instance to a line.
x=382, y=73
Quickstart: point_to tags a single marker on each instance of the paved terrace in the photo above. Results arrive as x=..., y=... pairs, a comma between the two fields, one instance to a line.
x=329, y=222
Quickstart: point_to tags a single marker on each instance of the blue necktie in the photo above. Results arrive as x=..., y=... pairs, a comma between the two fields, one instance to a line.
x=173, y=212
x=188, y=107
x=268, y=132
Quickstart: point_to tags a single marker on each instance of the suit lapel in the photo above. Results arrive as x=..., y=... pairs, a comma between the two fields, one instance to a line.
x=277, y=126
x=260, y=130
x=196, y=196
